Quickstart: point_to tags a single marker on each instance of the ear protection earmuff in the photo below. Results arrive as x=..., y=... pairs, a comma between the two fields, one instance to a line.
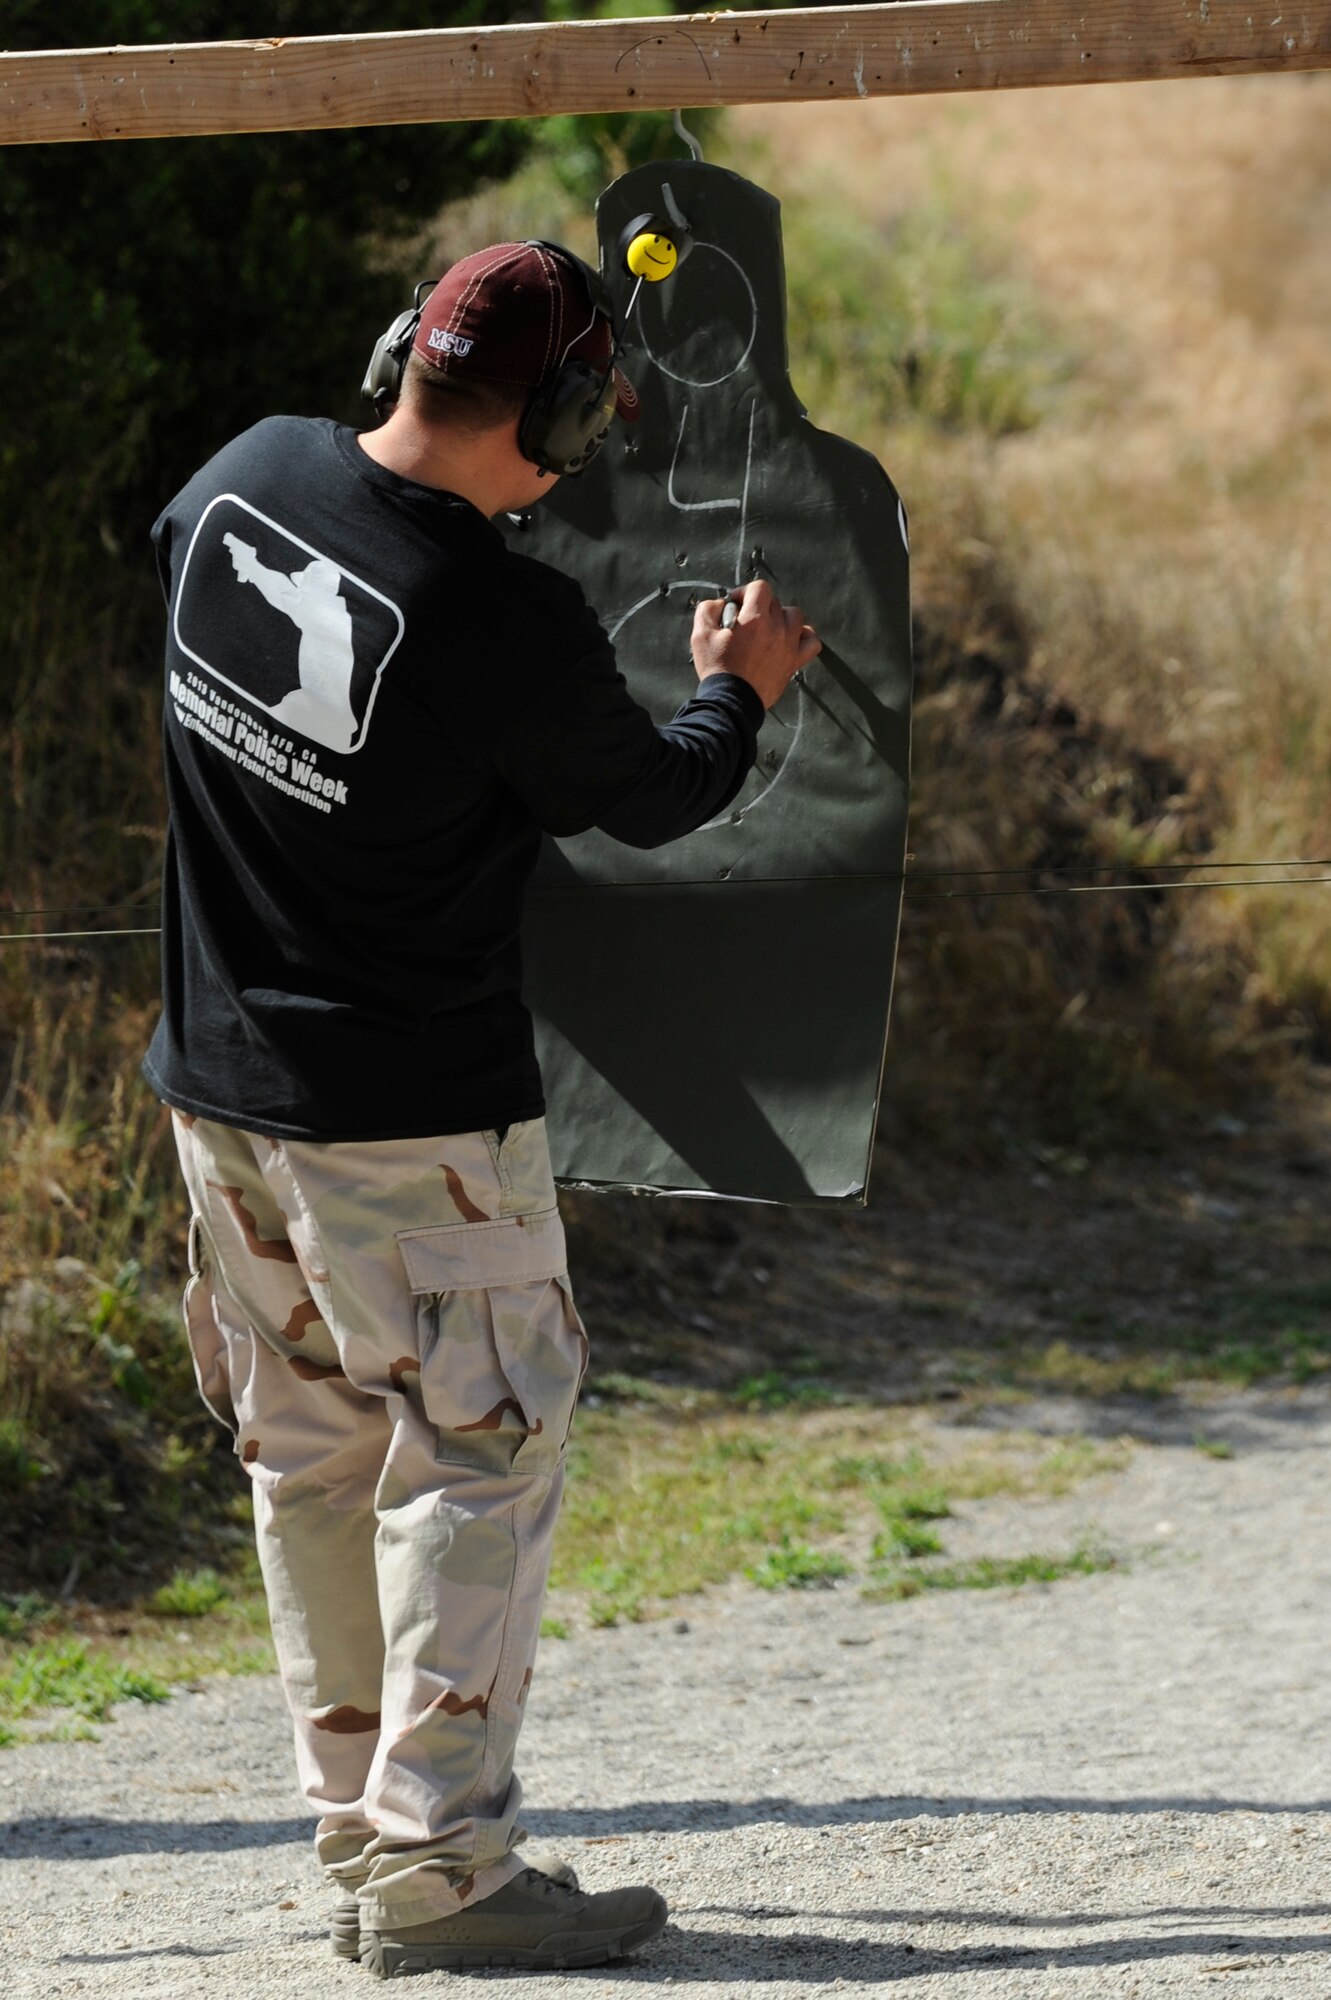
x=569, y=412
x=383, y=378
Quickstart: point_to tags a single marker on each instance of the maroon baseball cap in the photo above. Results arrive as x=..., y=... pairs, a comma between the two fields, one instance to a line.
x=516, y=312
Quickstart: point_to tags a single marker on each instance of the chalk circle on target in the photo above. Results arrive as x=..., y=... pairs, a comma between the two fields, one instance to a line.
x=771, y=765
x=708, y=304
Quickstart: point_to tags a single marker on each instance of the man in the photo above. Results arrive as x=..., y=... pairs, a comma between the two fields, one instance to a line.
x=373, y=711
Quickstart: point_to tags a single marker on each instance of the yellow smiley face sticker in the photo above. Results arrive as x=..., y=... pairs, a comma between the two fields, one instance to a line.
x=651, y=257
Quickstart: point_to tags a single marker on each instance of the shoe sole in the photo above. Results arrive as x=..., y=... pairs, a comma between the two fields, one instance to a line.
x=344, y=1930
x=398, y=1961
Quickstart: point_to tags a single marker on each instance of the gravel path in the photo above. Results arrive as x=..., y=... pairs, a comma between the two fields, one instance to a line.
x=1118, y=1784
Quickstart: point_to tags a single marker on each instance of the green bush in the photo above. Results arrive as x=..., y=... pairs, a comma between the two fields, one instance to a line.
x=190, y=1594
x=912, y=321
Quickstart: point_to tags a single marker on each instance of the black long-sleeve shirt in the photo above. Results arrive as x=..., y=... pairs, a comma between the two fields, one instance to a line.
x=373, y=711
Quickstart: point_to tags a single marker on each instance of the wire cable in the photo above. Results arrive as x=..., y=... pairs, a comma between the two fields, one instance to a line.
x=31, y=937
x=909, y=891
x=1099, y=868
x=73, y=910
x=1117, y=888
x=912, y=895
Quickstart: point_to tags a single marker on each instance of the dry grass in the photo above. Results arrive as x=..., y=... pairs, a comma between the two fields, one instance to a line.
x=1165, y=531
x=105, y=1455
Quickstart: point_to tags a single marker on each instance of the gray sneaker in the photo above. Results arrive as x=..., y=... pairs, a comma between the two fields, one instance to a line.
x=344, y=1925
x=533, y=1921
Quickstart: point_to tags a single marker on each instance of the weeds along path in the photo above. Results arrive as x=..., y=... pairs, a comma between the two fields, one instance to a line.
x=1118, y=1783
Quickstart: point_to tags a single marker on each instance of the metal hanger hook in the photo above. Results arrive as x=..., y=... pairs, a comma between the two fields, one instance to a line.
x=677, y=120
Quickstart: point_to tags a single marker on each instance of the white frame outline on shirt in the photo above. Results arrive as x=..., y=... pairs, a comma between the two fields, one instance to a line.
x=320, y=556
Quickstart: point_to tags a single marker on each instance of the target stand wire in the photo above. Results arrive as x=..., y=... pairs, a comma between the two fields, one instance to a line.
x=912, y=895
x=908, y=879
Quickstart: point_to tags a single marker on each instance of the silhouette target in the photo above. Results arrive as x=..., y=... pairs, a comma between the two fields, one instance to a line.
x=711, y=1015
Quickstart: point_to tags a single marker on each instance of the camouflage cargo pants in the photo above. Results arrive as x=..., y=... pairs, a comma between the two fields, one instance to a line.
x=387, y=1330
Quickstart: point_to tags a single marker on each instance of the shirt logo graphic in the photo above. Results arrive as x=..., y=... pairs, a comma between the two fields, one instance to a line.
x=284, y=625
x=448, y=343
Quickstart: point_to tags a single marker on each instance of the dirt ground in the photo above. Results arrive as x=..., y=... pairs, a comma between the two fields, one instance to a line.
x=1055, y=1271
x=1115, y=1784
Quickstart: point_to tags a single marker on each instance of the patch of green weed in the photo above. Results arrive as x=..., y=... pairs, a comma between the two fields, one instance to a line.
x=1072, y=1462
x=778, y=1390
x=848, y=1469
x=553, y=1628
x=914, y=1504
x=749, y=1450
x=617, y=1387
x=660, y=1504
x=906, y=1538
x=19, y=1463
x=64, y=1674
x=990, y=1573
x=114, y=1321
x=796, y=1566
x=1154, y=1361
x=20, y=1611
x=615, y=1591
x=191, y=1593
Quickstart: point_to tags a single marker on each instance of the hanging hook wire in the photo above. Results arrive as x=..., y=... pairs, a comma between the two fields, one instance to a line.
x=677, y=120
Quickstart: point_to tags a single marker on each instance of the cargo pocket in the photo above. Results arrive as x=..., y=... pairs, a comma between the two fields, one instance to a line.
x=207, y=1343
x=502, y=1349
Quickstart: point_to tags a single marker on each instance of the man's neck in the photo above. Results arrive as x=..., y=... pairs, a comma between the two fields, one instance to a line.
x=480, y=466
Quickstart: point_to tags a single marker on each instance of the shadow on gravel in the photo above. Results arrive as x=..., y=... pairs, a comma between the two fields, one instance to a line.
x=93, y=1837
x=1013, y=1920
x=746, y=1957
x=706, y=1815
x=156, y=1951
x=1250, y=1421
x=87, y=1838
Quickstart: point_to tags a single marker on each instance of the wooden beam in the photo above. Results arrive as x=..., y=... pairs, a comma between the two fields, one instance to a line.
x=801, y=55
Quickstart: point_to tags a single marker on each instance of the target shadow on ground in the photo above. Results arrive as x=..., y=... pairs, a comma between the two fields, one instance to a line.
x=96, y=1836
x=751, y=1959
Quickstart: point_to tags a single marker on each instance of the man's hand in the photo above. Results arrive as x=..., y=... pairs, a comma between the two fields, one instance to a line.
x=766, y=646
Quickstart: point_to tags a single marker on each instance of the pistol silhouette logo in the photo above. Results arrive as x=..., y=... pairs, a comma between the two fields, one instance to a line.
x=283, y=625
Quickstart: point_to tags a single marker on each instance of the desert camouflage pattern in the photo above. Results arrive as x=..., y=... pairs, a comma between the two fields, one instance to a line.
x=388, y=1332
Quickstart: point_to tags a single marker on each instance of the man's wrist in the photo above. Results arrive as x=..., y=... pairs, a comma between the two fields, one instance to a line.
x=734, y=691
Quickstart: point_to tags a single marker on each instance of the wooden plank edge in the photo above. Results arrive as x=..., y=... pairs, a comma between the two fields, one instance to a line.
x=655, y=62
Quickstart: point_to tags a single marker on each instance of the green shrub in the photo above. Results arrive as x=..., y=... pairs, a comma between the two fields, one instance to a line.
x=191, y=1593
x=796, y=1566
x=912, y=321
x=62, y=1673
